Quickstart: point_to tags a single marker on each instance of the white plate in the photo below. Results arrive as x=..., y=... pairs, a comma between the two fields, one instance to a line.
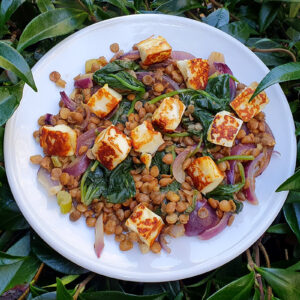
x=189, y=256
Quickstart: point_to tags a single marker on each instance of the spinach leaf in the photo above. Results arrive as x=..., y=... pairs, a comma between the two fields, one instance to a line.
x=191, y=128
x=157, y=161
x=117, y=66
x=122, y=110
x=121, y=80
x=120, y=185
x=204, y=117
x=219, y=86
x=92, y=184
x=174, y=186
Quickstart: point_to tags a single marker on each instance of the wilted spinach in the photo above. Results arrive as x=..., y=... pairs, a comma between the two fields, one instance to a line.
x=120, y=183
x=157, y=161
x=92, y=184
x=117, y=66
x=174, y=187
x=122, y=110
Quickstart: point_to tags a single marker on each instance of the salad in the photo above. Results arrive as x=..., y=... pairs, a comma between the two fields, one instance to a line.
x=154, y=143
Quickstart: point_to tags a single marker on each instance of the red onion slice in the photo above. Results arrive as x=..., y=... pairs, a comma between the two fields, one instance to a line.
x=181, y=55
x=171, y=82
x=178, y=172
x=111, y=113
x=83, y=83
x=131, y=55
x=71, y=105
x=196, y=225
x=163, y=242
x=86, y=139
x=99, y=236
x=49, y=119
x=78, y=166
x=213, y=231
x=44, y=178
x=176, y=231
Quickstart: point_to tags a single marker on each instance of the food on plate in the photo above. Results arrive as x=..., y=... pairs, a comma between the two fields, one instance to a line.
x=155, y=143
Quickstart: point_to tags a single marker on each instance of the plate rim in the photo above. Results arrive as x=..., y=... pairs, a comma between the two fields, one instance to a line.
x=106, y=270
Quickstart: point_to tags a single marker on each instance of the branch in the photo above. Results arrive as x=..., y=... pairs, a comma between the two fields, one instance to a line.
x=219, y=5
x=267, y=259
x=258, y=276
x=282, y=50
x=82, y=285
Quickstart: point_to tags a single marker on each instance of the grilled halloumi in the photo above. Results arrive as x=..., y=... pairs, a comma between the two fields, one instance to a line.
x=168, y=115
x=145, y=139
x=195, y=72
x=223, y=129
x=104, y=101
x=205, y=174
x=60, y=140
x=247, y=110
x=154, y=50
x=111, y=147
x=145, y=223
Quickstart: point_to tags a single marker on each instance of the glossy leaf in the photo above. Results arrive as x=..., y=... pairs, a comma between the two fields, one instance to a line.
x=7, y=8
x=239, y=29
x=218, y=18
x=279, y=229
x=284, y=283
x=50, y=24
x=239, y=289
x=175, y=7
x=45, y=5
x=61, y=292
x=267, y=15
x=295, y=267
x=10, y=97
x=46, y=296
x=52, y=259
x=1, y=144
x=19, y=272
x=118, y=3
x=12, y=60
x=112, y=295
x=293, y=197
x=89, y=4
x=292, y=215
x=283, y=73
x=291, y=184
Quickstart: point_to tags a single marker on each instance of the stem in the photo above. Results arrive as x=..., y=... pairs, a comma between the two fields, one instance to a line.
x=250, y=260
x=196, y=149
x=95, y=165
x=136, y=99
x=235, y=157
x=173, y=93
x=242, y=172
x=130, y=86
x=177, y=134
x=290, y=53
x=264, y=251
x=192, y=15
x=82, y=285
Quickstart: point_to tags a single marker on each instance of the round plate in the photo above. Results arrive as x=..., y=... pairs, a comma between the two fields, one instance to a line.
x=190, y=256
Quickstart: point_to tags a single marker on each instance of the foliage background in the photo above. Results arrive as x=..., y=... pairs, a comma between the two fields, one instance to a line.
x=30, y=269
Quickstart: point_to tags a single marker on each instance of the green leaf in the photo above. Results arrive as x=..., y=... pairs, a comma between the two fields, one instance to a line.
x=10, y=97
x=10, y=215
x=89, y=4
x=174, y=186
x=52, y=259
x=118, y=3
x=239, y=289
x=239, y=29
x=45, y=5
x=121, y=114
x=279, y=229
x=295, y=267
x=7, y=259
x=157, y=161
x=12, y=60
x=61, y=292
x=284, y=283
x=292, y=215
x=47, y=296
x=291, y=184
x=112, y=295
x=1, y=142
x=267, y=15
x=175, y=7
x=51, y=24
x=7, y=8
x=283, y=73
x=293, y=197
x=21, y=271
x=65, y=280
x=218, y=18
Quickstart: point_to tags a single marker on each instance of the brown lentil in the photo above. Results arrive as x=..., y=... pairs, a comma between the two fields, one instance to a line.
x=213, y=203
x=170, y=207
x=172, y=218
x=90, y=221
x=126, y=245
x=158, y=87
x=186, y=163
x=120, y=237
x=183, y=219
x=225, y=206
x=54, y=76
x=156, y=247
x=168, y=159
x=74, y=215
x=181, y=206
x=230, y=220
x=165, y=181
x=202, y=213
x=147, y=80
x=81, y=207
x=172, y=196
x=114, y=47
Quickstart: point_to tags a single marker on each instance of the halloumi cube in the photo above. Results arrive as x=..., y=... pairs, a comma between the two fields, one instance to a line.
x=154, y=50
x=104, y=101
x=224, y=129
x=195, y=72
x=145, y=223
x=168, y=115
x=145, y=139
x=205, y=174
x=60, y=140
x=247, y=110
x=146, y=159
x=111, y=147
